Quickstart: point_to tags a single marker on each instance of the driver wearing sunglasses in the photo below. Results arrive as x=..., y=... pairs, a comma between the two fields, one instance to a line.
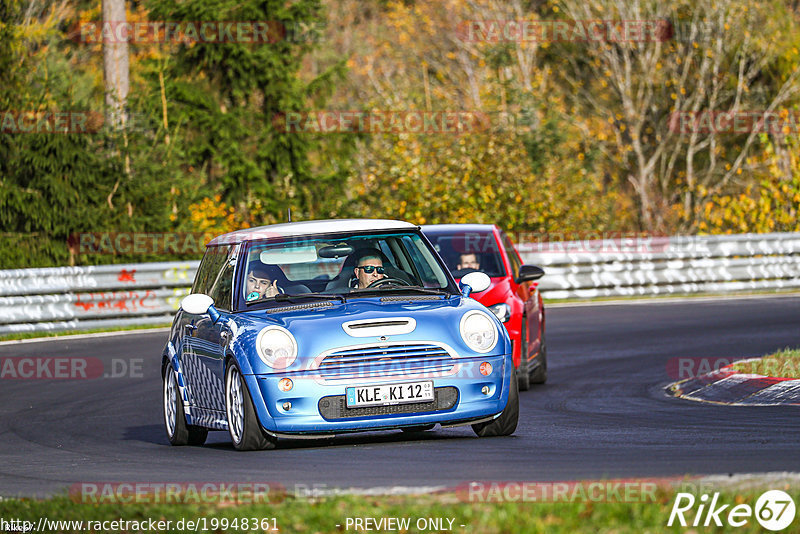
x=368, y=270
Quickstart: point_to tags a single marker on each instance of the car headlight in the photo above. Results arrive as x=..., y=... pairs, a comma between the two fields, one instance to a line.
x=276, y=347
x=479, y=331
x=502, y=311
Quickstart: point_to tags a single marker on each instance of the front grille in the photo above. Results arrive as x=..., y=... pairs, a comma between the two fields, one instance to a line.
x=335, y=406
x=386, y=360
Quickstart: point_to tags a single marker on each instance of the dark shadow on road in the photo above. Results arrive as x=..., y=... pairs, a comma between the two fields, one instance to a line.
x=220, y=440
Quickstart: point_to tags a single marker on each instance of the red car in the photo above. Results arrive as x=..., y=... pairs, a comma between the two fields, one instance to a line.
x=513, y=295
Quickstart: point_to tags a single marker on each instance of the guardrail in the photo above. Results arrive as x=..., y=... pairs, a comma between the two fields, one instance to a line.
x=666, y=265
x=83, y=298
x=80, y=298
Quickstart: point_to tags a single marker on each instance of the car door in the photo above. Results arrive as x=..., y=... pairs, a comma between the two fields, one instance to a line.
x=204, y=363
x=189, y=347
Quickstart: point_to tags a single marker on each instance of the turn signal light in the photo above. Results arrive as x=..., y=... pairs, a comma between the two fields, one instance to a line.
x=285, y=384
x=486, y=368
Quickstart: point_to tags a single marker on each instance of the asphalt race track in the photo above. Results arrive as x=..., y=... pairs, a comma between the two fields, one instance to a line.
x=603, y=413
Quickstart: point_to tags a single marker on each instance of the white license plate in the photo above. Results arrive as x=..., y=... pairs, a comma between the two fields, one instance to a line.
x=389, y=394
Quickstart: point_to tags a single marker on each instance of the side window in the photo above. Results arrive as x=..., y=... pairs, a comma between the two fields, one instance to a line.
x=201, y=279
x=222, y=284
x=513, y=259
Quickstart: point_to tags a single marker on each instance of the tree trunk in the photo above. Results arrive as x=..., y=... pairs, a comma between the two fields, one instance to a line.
x=115, y=62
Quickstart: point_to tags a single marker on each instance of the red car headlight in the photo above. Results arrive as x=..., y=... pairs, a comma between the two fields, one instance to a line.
x=502, y=311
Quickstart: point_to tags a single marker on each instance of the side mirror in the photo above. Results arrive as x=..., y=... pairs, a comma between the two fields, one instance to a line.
x=474, y=282
x=199, y=304
x=529, y=273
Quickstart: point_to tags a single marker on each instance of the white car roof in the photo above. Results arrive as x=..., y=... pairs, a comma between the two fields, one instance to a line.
x=305, y=228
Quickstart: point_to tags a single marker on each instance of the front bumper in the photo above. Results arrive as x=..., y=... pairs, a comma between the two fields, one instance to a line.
x=317, y=407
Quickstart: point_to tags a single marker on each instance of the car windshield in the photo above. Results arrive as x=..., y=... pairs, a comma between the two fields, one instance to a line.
x=336, y=266
x=468, y=251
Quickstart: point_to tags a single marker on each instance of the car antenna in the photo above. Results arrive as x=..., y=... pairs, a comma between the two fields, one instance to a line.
x=289, y=214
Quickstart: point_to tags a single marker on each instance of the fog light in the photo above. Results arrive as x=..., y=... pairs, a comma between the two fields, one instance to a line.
x=485, y=390
x=285, y=384
x=486, y=368
x=287, y=406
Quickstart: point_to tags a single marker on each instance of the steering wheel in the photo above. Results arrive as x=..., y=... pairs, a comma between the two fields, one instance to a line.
x=388, y=280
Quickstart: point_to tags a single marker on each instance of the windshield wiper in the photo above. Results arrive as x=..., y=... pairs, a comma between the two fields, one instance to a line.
x=415, y=289
x=289, y=297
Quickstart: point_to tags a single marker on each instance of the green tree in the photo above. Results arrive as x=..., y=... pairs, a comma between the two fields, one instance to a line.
x=227, y=96
x=51, y=184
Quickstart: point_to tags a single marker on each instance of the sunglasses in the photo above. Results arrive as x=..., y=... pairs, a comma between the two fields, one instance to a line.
x=370, y=268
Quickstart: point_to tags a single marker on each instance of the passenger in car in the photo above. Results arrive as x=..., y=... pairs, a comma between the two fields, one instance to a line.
x=261, y=283
x=469, y=260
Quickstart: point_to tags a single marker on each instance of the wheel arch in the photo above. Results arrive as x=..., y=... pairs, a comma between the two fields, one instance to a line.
x=170, y=358
x=251, y=383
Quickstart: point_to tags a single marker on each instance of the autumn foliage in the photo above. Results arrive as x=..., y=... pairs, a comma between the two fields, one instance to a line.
x=576, y=134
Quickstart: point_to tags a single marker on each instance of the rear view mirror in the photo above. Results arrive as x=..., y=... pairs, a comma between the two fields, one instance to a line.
x=529, y=273
x=335, y=251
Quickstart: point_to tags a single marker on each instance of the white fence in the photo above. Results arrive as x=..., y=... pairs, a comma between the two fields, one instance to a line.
x=73, y=298
x=666, y=265
x=81, y=298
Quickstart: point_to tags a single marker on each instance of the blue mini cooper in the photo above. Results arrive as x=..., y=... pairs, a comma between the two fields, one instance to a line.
x=311, y=329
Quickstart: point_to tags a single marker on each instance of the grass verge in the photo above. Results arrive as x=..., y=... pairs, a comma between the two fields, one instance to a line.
x=330, y=514
x=784, y=363
x=33, y=335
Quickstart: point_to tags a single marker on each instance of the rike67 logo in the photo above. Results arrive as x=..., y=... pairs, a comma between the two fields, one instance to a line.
x=774, y=510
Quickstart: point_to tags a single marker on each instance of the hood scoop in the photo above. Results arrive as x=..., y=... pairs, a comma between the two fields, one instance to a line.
x=393, y=326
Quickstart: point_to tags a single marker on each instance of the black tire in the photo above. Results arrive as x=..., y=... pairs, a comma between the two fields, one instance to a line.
x=178, y=432
x=506, y=424
x=418, y=428
x=247, y=435
x=523, y=374
x=539, y=375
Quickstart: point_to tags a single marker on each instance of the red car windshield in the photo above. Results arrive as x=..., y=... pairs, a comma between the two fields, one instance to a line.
x=464, y=252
